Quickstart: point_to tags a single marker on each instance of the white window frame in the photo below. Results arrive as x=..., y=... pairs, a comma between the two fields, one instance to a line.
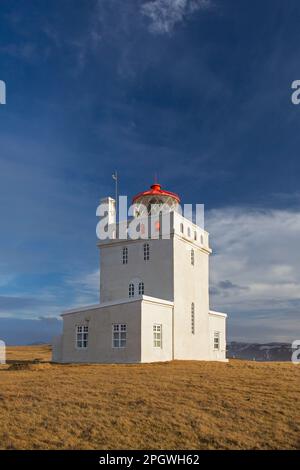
x=81, y=336
x=125, y=255
x=131, y=290
x=157, y=335
x=217, y=340
x=192, y=318
x=119, y=335
x=141, y=288
x=146, y=252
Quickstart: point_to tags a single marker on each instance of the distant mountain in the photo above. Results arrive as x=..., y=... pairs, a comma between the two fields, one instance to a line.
x=259, y=352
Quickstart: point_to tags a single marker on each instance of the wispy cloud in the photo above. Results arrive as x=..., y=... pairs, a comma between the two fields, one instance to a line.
x=26, y=51
x=30, y=307
x=165, y=14
x=256, y=270
x=86, y=288
x=50, y=300
x=15, y=303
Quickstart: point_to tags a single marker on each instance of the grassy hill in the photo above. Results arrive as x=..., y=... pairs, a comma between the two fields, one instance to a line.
x=178, y=405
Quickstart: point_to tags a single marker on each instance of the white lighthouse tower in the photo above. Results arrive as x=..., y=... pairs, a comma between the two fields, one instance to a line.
x=154, y=293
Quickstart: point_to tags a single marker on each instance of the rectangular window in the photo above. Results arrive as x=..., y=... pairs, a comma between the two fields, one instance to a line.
x=82, y=333
x=125, y=255
x=193, y=318
x=119, y=335
x=146, y=252
x=157, y=336
x=216, y=340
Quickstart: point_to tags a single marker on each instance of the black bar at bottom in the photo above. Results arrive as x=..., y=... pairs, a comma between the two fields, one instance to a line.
x=134, y=459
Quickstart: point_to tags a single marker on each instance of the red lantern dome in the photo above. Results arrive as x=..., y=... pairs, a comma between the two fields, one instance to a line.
x=154, y=201
x=156, y=191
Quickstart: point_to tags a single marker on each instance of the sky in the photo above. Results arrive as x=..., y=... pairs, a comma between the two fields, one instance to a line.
x=195, y=91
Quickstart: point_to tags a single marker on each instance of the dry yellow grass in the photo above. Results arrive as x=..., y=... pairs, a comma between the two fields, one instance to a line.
x=179, y=405
x=28, y=353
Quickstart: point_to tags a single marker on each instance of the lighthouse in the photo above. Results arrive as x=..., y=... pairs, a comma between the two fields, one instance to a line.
x=154, y=292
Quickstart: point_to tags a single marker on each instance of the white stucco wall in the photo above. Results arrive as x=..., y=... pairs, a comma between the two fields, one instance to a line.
x=100, y=320
x=57, y=345
x=161, y=314
x=157, y=273
x=190, y=286
x=139, y=316
x=217, y=322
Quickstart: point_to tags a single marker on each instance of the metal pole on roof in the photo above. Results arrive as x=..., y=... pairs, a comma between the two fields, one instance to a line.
x=115, y=178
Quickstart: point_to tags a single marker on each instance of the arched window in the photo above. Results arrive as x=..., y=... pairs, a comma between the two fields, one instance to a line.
x=192, y=257
x=193, y=318
x=141, y=288
x=131, y=289
x=201, y=239
x=125, y=255
x=146, y=252
x=181, y=228
x=195, y=236
x=189, y=232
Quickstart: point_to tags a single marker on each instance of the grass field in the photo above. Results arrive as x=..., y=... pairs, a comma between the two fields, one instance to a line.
x=179, y=405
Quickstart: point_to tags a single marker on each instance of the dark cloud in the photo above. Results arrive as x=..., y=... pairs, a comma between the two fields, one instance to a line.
x=225, y=285
x=225, y=288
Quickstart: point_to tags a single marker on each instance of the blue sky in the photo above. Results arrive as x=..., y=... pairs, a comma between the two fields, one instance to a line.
x=198, y=91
